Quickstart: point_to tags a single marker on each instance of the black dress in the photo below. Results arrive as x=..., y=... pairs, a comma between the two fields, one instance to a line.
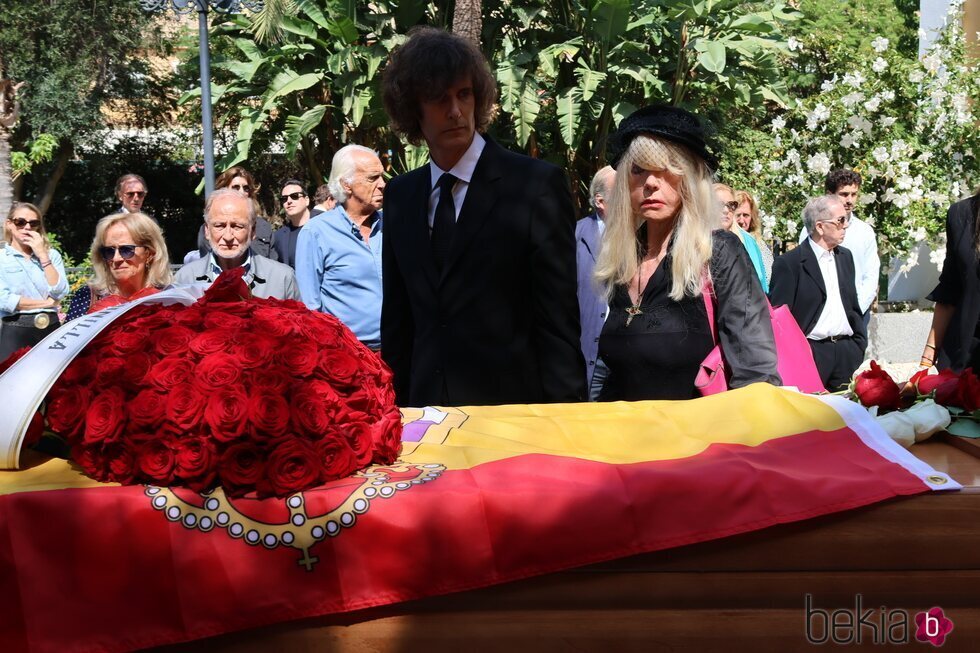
x=658, y=355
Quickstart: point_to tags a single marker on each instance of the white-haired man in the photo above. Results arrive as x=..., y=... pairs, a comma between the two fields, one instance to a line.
x=592, y=305
x=816, y=281
x=338, y=253
x=229, y=226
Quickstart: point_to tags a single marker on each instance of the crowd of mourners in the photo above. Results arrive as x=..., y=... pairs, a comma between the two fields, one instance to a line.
x=472, y=279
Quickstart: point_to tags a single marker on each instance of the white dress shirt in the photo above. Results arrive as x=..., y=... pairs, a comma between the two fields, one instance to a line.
x=463, y=171
x=860, y=240
x=833, y=319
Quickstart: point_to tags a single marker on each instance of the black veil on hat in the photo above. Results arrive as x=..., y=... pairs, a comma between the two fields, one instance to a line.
x=670, y=123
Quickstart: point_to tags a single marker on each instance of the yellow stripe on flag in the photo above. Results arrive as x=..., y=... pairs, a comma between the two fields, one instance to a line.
x=617, y=433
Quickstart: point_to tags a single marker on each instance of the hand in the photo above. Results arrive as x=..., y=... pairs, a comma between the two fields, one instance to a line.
x=37, y=243
x=48, y=302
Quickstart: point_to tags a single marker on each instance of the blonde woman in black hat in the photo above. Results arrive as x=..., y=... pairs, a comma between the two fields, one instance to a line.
x=661, y=245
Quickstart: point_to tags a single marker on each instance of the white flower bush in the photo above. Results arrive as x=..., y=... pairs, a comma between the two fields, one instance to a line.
x=908, y=126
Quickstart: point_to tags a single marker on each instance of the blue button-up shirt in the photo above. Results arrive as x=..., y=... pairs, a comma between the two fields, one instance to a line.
x=23, y=276
x=338, y=273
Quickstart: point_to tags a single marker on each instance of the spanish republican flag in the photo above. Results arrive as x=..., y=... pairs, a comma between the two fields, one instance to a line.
x=479, y=496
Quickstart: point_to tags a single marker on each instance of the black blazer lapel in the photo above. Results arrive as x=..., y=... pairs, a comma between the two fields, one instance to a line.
x=416, y=229
x=808, y=261
x=480, y=198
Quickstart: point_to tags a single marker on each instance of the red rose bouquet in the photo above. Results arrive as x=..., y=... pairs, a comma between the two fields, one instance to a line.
x=252, y=394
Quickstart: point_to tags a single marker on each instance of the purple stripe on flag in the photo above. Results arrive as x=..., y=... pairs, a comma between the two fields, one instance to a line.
x=416, y=430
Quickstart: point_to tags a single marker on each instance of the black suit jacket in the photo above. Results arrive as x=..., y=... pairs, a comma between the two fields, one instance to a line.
x=959, y=286
x=500, y=324
x=797, y=283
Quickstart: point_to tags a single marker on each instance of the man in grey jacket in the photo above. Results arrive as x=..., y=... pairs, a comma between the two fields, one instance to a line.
x=229, y=222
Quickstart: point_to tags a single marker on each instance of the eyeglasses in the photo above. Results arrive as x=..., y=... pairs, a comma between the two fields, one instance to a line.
x=841, y=222
x=291, y=196
x=728, y=206
x=126, y=252
x=20, y=223
x=242, y=188
x=135, y=193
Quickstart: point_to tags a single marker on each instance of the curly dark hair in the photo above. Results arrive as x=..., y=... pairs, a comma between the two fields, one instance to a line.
x=841, y=177
x=423, y=68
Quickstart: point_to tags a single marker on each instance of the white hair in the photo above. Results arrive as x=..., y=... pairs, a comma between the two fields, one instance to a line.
x=342, y=170
x=227, y=192
x=601, y=184
x=817, y=209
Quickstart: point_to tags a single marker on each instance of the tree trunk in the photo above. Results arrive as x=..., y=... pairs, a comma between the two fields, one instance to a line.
x=8, y=117
x=467, y=19
x=44, y=198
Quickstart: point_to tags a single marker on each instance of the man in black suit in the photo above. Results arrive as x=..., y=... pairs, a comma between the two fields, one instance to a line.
x=816, y=281
x=479, y=259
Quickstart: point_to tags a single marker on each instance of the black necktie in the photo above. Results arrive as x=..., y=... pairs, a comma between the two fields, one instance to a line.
x=444, y=221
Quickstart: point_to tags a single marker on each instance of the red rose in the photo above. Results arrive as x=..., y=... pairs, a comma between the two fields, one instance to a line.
x=258, y=350
x=191, y=317
x=169, y=372
x=336, y=457
x=338, y=366
x=268, y=413
x=157, y=461
x=106, y=416
x=91, y=460
x=126, y=342
x=8, y=362
x=299, y=356
x=321, y=328
x=228, y=287
x=361, y=405
x=969, y=391
x=34, y=430
x=309, y=415
x=121, y=462
x=211, y=342
x=226, y=413
x=195, y=460
x=109, y=371
x=147, y=410
x=217, y=371
x=185, y=406
x=66, y=410
x=273, y=322
x=224, y=320
x=137, y=365
x=875, y=387
x=241, y=467
x=272, y=382
x=945, y=385
x=174, y=340
x=80, y=371
x=292, y=466
x=386, y=433
x=359, y=437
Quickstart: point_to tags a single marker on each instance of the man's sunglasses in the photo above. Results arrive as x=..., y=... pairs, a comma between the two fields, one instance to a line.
x=125, y=251
x=731, y=206
x=20, y=223
x=841, y=222
x=291, y=196
x=242, y=188
x=135, y=193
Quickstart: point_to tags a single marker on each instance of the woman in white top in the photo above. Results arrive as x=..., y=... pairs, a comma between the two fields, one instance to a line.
x=32, y=280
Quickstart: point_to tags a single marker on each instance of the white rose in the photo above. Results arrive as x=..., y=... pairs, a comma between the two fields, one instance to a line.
x=879, y=65
x=880, y=44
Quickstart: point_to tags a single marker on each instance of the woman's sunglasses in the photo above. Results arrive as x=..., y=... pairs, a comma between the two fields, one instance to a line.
x=20, y=223
x=125, y=251
x=730, y=206
x=242, y=188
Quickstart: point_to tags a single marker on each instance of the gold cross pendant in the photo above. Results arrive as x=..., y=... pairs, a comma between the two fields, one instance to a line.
x=632, y=312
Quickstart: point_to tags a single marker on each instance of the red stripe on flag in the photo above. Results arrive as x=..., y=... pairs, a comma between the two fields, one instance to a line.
x=101, y=570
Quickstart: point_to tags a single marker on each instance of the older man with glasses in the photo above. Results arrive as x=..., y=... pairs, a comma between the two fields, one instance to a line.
x=296, y=206
x=229, y=225
x=816, y=281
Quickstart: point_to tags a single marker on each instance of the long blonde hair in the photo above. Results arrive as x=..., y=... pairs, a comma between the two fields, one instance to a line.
x=619, y=257
x=8, y=235
x=145, y=232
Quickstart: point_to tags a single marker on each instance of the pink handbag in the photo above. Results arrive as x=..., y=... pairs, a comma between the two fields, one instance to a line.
x=794, y=359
